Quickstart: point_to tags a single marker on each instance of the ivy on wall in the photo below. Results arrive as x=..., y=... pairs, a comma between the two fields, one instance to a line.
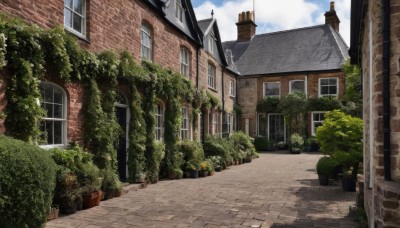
x=32, y=54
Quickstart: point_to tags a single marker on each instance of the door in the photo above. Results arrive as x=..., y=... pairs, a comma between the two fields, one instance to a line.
x=121, y=113
x=276, y=128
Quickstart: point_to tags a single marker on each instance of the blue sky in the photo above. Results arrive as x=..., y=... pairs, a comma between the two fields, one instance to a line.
x=273, y=15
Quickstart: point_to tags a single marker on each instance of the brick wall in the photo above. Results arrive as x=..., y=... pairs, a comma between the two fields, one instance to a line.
x=111, y=25
x=251, y=91
x=381, y=198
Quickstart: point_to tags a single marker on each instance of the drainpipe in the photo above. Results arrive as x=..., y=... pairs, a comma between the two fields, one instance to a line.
x=223, y=102
x=197, y=67
x=386, y=86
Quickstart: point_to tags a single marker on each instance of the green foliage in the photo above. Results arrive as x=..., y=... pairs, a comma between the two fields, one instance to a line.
x=294, y=107
x=110, y=180
x=153, y=170
x=192, y=150
x=323, y=104
x=268, y=105
x=261, y=143
x=215, y=146
x=216, y=162
x=27, y=181
x=3, y=50
x=243, y=144
x=57, y=58
x=341, y=137
x=296, y=141
x=213, y=101
x=326, y=166
x=238, y=110
x=353, y=94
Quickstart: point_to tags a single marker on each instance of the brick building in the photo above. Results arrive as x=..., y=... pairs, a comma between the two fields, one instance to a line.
x=306, y=60
x=375, y=47
x=165, y=32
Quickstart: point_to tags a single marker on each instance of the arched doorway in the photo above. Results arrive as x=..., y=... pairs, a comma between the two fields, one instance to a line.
x=122, y=114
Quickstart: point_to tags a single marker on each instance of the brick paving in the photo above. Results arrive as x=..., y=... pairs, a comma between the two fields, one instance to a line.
x=277, y=190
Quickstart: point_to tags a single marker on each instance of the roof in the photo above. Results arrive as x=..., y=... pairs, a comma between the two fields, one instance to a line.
x=205, y=24
x=316, y=48
x=189, y=26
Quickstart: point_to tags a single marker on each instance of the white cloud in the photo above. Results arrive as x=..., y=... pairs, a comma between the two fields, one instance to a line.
x=272, y=15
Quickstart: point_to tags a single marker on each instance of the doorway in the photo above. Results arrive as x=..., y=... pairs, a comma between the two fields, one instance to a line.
x=122, y=115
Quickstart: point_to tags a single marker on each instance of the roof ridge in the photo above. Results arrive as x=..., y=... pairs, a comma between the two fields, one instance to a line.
x=291, y=30
x=207, y=19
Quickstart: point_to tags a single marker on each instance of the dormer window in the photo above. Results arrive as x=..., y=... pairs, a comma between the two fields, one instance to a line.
x=212, y=44
x=179, y=10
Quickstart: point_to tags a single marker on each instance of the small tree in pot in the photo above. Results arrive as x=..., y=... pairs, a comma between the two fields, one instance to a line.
x=325, y=169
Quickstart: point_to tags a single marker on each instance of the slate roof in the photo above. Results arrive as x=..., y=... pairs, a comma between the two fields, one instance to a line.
x=316, y=48
x=205, y=24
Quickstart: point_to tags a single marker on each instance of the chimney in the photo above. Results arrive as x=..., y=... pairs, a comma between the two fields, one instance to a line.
x=246, y=28
x=331, y=18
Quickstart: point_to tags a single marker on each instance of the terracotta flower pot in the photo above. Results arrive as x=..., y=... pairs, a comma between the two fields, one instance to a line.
x=91, y=200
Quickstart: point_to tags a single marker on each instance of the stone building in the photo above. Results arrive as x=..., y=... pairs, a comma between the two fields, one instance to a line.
x=165, y=32
x=375, y=47
x=306, y=60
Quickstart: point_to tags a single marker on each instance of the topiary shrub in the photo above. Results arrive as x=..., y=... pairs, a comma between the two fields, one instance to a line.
x=326, y=166
x=27, y=181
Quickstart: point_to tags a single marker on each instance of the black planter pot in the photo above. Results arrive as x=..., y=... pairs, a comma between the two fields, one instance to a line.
x=295, y=150
x=349, y=184
x=323, y=179
x=194, y=174
x=314, y=147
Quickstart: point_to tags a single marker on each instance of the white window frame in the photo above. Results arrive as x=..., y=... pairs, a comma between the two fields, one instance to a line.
x=185, y=127
x=146, y=50
x=212, y=44
x=159, y=117
x=63, y=120
x=179, y=11
x=214, y=129
x=232, y=88
x=264, y=86
x=328, y=95
x=290, y=85
x=73, y=12
x=185, y=62
x=284, y=124
x=212, y=79
x=313, y=130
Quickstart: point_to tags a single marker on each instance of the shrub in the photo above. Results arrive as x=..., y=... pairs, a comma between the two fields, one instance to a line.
x=157, y=156
x=192, y=150
x=214, y=146
x=27, y=180
x=296, y=141
x=326, y=166
x=244, y=143
x=341, y=137
x=261, y=143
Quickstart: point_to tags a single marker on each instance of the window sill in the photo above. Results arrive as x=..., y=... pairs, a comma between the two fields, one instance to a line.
x=232, y=96
x=48, y=147
x=77, y=34
x=212, y=89
x=329, y=96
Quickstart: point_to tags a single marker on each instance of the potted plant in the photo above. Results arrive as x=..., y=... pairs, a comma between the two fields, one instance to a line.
x=203, y=169
x=192, y=167
x=325, y=169
x=210, y=167
x=296, y=143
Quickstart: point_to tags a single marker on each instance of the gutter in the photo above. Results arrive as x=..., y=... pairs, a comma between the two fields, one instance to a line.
x=386, y=86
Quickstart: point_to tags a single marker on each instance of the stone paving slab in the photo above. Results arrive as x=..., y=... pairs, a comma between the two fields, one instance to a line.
x=277, y=190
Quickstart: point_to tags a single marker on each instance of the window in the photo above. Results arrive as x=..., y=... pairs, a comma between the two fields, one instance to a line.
x=146, y=43
x=179, y=10
x=232, y=88
x=297, y=86
x=229, y=123
x=185, y=62
x=214, y=123
x=159, y=122
x=272, y=89
x=75, y=16
x=54, y=125
x=262, y=125
x=276, y=128
x=211, y=76
x=317, y=120
x=328, y=87
x=212, y=44
x=185, y=124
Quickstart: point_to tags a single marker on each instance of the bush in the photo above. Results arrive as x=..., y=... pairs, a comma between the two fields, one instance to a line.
x=243, y=143
x=326, y=166
x=214, y=146
x=296, y=141
x=27, y=181
x=192, y=150
x=261, y=143
x=341, y=137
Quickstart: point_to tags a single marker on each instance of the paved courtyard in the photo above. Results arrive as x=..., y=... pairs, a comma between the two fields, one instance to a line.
x=276, y=190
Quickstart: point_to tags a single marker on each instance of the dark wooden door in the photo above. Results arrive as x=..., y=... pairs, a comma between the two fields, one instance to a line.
x=121, y=114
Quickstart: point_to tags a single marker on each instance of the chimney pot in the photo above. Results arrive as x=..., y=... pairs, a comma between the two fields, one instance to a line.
x=332, y=8
x=246, y=27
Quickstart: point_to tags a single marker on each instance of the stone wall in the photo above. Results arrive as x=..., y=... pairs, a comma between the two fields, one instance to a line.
x=381, y=198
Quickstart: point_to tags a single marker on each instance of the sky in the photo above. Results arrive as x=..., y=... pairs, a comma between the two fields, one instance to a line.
x=273, y=15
